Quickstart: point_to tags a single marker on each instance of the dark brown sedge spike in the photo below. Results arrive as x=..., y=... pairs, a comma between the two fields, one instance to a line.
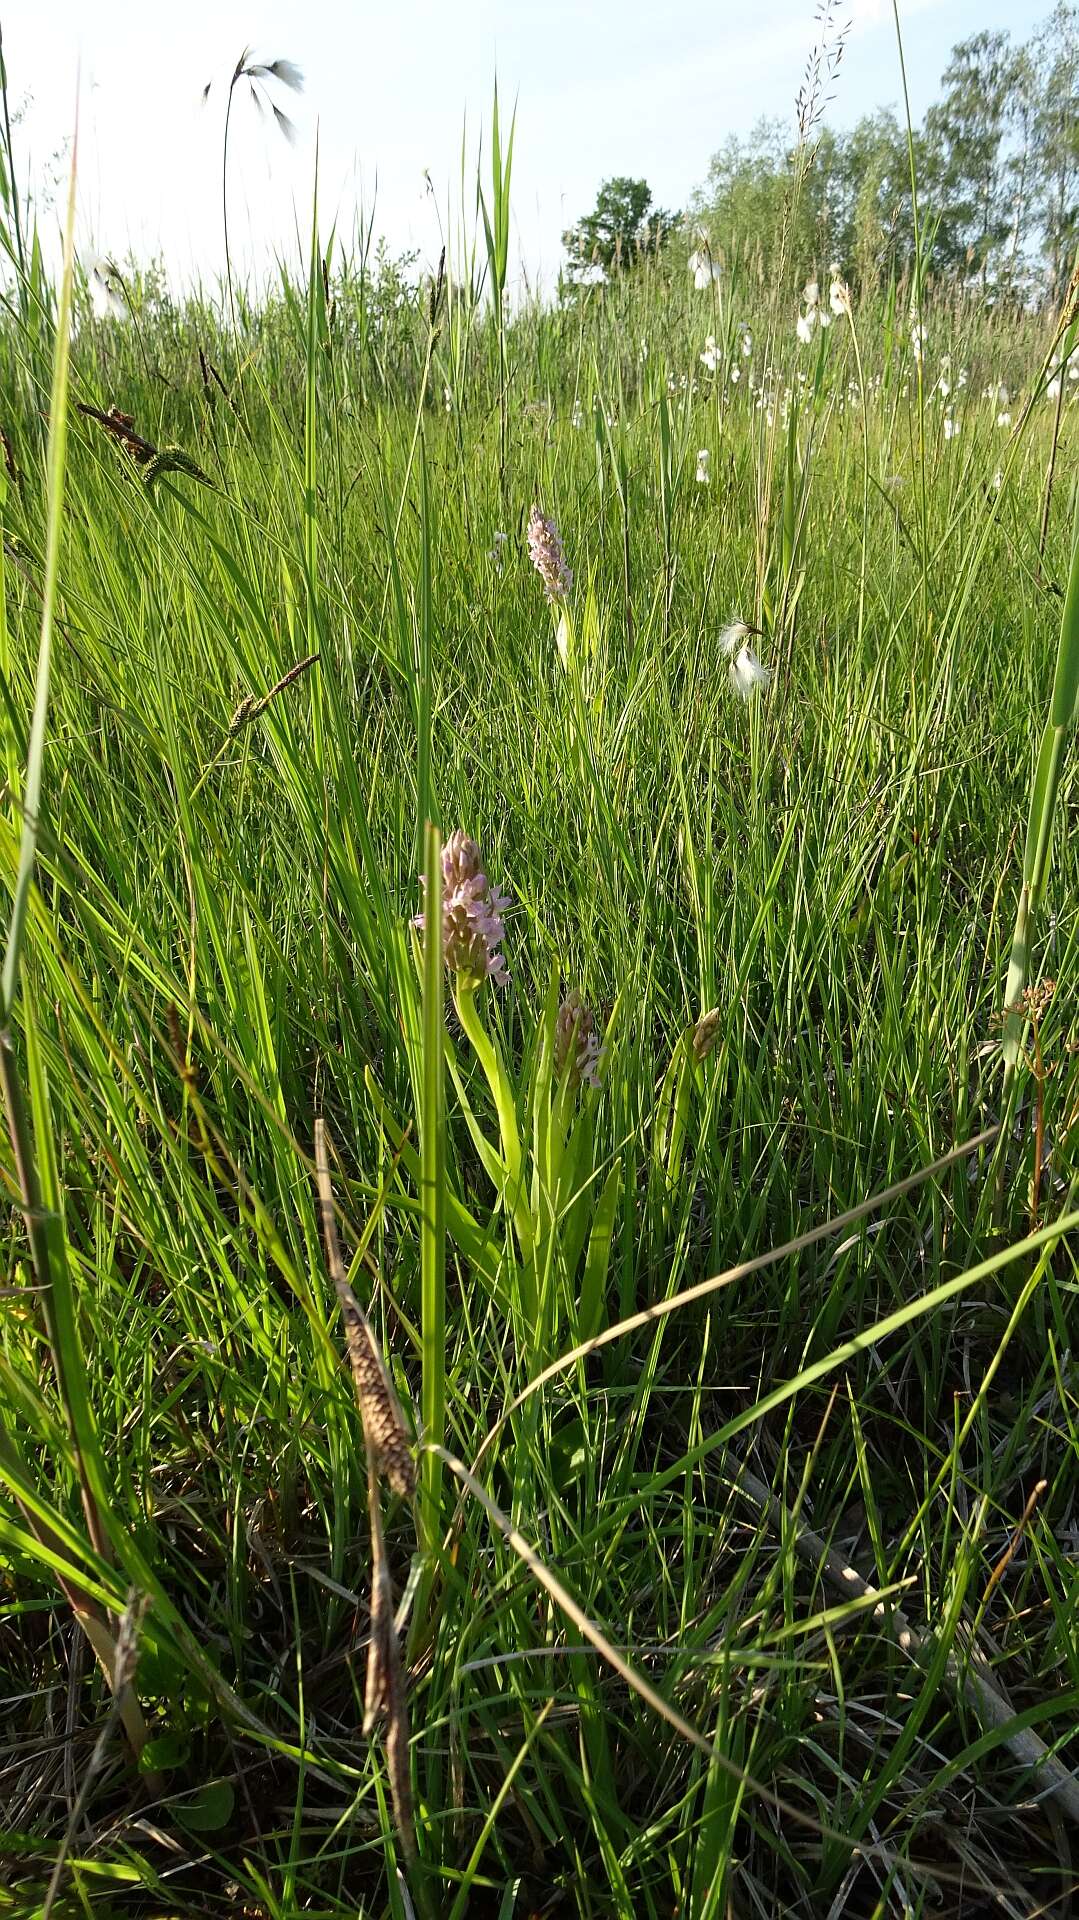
x=251, y=705
x=122, y=428
x=438, y=288
x=171, y=460
x=9, y=458
x=178, y=1042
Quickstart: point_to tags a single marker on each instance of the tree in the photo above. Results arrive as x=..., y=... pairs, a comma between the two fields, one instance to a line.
x=1023, y=163
x=846, y=197
x=996, y=160
x=749, y=195
x=1055, y=52
x=965, y=133
x=621, y=227
x=876, y=235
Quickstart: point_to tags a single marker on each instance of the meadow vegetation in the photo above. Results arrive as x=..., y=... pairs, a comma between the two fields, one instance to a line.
x=694, y=1531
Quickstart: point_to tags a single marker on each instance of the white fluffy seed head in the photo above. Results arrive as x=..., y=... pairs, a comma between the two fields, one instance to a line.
x=733, y=637
x=747, y=674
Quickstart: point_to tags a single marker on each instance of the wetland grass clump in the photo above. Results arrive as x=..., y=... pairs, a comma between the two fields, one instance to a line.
x=634, y=1471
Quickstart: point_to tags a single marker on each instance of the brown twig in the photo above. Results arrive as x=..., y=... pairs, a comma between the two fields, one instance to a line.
x=1009, y=1553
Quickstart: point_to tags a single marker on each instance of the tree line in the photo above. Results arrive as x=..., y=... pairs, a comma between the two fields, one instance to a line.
x=995, y=161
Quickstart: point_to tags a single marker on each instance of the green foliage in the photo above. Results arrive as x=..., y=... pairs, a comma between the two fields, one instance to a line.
x=967, y=175
x=655, y=1328
x=847, y=197
x=1054, y=61
x=997, y=158
x=622, y=226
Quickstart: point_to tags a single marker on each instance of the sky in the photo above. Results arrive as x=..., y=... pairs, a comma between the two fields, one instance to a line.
x=602, y=87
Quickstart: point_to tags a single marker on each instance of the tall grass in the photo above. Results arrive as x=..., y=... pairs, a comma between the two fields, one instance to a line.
x=741, y=1577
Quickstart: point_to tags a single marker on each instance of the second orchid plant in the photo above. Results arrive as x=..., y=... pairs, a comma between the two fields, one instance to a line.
x=542, y=1163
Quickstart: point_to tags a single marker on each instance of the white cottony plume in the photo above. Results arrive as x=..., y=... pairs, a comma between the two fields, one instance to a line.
x=734, y=636
x=703, y=268
x=747, y=674
x=951, y=426
x=286, y=71
x=710, y=356
x=839, y=293
x=804, y=327
x=703, y=475
x=105, y=287
x=811, y=293
x=259, y=75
